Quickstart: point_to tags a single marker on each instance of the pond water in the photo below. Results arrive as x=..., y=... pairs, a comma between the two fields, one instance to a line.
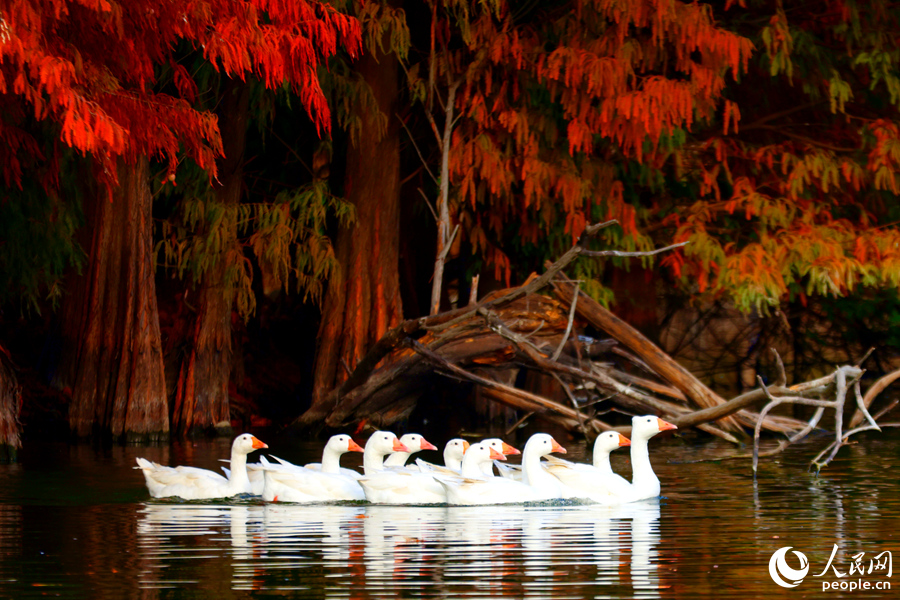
x=77, y=522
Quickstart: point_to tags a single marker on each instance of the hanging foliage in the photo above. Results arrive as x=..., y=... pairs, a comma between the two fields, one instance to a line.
x=90, y=67
x=765, y=137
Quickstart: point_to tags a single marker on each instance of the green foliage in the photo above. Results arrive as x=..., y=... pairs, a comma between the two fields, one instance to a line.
x=286, y=237
x=37, y=239
x=38, y=246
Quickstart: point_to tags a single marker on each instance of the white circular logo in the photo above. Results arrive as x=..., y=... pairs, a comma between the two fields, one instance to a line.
x=782, y=574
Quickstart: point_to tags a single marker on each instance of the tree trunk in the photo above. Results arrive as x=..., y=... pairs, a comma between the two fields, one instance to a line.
x=116, y=362
x=365, y=303
x=10, y=407
x=201, y=392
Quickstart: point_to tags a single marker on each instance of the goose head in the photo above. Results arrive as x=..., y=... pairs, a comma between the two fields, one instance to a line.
x=454, y=451
x=647, y=426
x=500, y=446
x=542, y=444
x=246, y=443
x=477, y=456
x=415, y=442
x=341, y=443
x=610, y=440
x=384, y=442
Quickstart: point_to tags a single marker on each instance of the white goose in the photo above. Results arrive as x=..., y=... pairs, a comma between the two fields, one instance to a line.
x=415, y=443
x=379, y=445
x=331, y=463
x=538, y=485
x=500, y=447
x=192, y=483
x=597, y=479
x=287, y=482
x=402, y=486
x=644, y=482
x=454, y=450
x=477, y=456
x=331, y=456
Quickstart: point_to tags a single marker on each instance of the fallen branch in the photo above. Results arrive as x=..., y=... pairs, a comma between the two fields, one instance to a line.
x=872, y=393
x=843, y=377
x=650, y=353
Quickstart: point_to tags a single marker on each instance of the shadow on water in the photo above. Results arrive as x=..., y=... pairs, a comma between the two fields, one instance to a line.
x=76, y=522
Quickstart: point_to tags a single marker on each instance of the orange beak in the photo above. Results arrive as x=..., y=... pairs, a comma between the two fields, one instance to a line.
x=496, y=455
x=354, y=447
x=665, y=425
x=258, y=444
x=465, y=446
x=507, y=449
x=624, y=441
x=557, y=448
x=426, y=445
x=399, y=446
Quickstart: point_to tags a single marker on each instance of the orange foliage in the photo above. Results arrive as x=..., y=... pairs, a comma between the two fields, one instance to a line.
x=89, y=65
x=551, y=107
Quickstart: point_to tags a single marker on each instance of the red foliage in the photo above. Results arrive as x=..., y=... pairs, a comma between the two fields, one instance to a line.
x=90, y=66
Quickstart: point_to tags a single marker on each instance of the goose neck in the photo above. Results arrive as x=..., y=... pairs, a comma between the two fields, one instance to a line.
x=642, y=470
x=373, y=461
x=397, y=459
x=471, y=469
x=238, y=478
x=601, y=461
x=331, y=461
x=532, y=472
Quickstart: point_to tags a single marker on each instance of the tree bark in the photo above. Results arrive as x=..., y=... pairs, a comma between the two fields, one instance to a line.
x=10, y=407
x=365, y=303
x=118, y=386
x=201, y=392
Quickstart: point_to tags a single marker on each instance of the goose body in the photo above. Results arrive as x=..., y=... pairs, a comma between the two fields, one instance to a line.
x=597, y=480
x=399, y=485
x=254, y=474
x=537, y=485
x=285, y=482
x=193, y=483
x=644, y=482
x=331, y=456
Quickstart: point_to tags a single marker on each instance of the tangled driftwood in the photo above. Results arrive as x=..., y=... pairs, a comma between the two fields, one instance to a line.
x=811, y=393
x=539, y=326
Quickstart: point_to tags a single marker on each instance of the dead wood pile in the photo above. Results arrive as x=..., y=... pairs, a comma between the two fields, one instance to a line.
x=541, y=325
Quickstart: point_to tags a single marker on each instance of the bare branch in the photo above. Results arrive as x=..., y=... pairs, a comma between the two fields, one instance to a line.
x=418, y=151
x=622, y=254
x=568, y=326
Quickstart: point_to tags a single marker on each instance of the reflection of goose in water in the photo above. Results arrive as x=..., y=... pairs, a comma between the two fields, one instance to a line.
x=394, y=536
x=644, y=540
x=528, y=550
x=297, y=528
x=484, y=545
x=161, y=525
x=543, y=544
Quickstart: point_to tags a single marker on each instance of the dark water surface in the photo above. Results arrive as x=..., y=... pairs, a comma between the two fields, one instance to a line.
x=77, y=522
